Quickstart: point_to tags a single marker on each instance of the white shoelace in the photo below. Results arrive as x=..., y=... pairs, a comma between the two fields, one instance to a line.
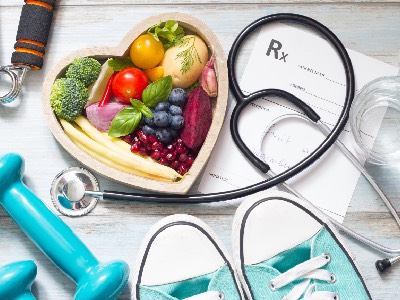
x=309, y=269
x=212, y=295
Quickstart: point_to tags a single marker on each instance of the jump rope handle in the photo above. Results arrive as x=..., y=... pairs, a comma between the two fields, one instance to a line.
x=33, y=31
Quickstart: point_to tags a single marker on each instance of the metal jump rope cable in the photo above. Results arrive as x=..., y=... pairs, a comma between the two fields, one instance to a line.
x=383, y=264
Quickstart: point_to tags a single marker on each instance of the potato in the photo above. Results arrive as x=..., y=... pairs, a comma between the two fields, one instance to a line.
x=173, y=64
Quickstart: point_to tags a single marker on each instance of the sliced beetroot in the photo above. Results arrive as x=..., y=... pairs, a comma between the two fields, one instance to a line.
x=101, y=117
x=198, y=116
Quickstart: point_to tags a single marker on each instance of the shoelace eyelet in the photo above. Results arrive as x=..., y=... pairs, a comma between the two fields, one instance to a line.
x=272, y=286
x=221, y=296
x=336, y=297
x=333, y=279
x=327, y=256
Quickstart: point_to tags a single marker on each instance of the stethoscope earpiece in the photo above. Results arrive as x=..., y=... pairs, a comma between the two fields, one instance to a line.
x=383, y=264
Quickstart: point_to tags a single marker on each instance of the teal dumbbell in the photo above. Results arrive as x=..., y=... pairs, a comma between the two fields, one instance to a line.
x=16, y=280
x=95, y=280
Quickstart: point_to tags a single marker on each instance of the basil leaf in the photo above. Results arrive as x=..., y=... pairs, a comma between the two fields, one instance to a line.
x=120, y=63
x=125, y=122
x=157, y=91
x=146, y=112
x=137, y=104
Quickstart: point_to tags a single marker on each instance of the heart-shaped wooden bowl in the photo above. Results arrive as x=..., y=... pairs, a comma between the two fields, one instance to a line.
x=218, y=104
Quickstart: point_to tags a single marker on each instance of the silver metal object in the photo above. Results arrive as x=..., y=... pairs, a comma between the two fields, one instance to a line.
x=75, y=192
x=325, y=129
x=17, y=75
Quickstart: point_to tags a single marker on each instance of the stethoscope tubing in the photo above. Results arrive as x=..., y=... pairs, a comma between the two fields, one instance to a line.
x=243, y=100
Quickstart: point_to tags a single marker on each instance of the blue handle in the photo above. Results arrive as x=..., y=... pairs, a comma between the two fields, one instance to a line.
x=16, y=280
x=51, y=235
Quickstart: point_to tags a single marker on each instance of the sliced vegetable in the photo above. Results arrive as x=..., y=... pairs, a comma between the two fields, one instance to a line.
x=135, y=161
x=97, y=88
x=107, y=91
x=101, y=117
x=129, y=84
x=198, y=117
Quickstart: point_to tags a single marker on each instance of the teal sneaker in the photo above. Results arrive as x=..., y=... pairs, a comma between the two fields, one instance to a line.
x=284, y=248
x=181, y=258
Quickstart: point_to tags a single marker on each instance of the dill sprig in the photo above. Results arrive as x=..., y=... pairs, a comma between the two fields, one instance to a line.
x=188, y=55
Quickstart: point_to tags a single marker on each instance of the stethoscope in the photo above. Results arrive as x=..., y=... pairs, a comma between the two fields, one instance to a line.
x=75, y=191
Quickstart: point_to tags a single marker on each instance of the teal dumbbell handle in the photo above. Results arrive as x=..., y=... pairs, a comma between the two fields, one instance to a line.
x=16, y=280
x=50, y=234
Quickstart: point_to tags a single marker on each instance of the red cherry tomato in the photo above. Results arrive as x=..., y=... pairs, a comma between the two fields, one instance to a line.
x=128, y=84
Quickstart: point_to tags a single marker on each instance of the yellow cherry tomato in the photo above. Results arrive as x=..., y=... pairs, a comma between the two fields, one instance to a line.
x=146, y=52
x=154, y=74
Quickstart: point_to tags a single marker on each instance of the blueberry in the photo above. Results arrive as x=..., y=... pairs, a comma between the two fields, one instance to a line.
x=162, y=106
x=161, y=119
x=149, y=121
x=177, y=122
x=174, y=132
x=177, y=97
x=175, y=110
x=163, y=135
x=142, y=121
x=148, y=130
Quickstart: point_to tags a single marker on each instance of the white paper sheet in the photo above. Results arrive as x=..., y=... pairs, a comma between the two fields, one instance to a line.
x=308, y=67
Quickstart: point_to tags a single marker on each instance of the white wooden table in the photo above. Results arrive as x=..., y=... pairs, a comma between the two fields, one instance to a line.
x=115, y=230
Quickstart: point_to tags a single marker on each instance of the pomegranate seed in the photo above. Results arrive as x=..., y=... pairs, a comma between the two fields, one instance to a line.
x=189, y=161
x=164, y=152
x=156, y=154
x=128, y=139
x=183, y=157
x=143, y=151
x=143, y=137
x=179, y=141
x=157, y=146
x=152, y=139
x=182, y=169
x=170, y=148
x=171, y=156
x=174, y=164
x=135, y=147
x=181, y=148
x=163, y=161
x=135, y=139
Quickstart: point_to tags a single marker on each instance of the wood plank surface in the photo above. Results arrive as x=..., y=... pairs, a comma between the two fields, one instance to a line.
x=115, y=230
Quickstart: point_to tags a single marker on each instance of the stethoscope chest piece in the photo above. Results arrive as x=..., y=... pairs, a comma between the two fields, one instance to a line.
x=68, y=192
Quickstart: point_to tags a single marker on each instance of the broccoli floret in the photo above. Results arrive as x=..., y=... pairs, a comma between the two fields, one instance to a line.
x=68, y=98
x=85, y=69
